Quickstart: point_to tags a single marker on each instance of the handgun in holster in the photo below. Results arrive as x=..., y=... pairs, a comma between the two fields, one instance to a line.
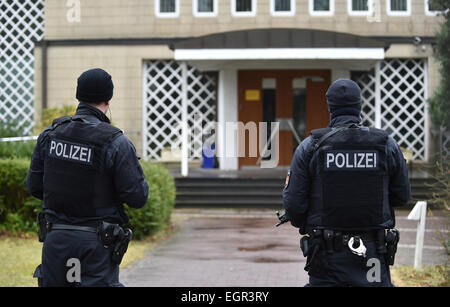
x=392, y=238
x=315, y=240
x=115, y=237
x=121, y=246
x=304, y=245
x=328, y=237
x=44, y=226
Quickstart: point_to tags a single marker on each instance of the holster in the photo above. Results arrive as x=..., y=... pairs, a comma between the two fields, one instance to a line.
x=304, y=246
x=121, y=246
x=43, y=226
x=392, y=238
x=116, y=238
x=316, y=262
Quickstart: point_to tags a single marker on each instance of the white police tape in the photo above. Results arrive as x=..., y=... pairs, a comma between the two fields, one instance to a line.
x=19, y=138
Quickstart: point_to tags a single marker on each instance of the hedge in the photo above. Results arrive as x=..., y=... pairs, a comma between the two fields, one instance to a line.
x=18, y=209
x=161, y=199
x=49, y=114
x=16, y=149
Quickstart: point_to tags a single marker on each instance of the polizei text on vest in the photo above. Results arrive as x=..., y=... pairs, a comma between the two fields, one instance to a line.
x=351, y=159
x=70, y=151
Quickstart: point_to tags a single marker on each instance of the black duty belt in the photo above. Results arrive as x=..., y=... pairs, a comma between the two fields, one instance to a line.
x=365, y=236
x=72, y=227
x=111, y=235
x=335, y=240
x=331, y=241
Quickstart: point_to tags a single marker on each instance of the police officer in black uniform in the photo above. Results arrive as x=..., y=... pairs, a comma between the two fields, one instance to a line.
x=343, y=182
x=84, y=169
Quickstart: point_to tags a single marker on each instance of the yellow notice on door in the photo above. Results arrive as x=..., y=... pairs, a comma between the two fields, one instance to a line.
x=251, y=95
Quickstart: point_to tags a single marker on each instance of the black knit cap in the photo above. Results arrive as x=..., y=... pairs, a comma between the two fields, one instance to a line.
x=94, y=86
x=343, y=93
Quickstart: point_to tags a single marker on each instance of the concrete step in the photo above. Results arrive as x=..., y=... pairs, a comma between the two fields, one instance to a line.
x=254, y=192
x=220, y=203
x=220, y=197
x=226, y=189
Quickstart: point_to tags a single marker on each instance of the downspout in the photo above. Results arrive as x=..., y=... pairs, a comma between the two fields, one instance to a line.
x=44, y=74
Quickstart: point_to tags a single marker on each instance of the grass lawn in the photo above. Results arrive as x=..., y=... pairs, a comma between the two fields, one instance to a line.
x=19, y=256
x=429, y=276
x=18, y=259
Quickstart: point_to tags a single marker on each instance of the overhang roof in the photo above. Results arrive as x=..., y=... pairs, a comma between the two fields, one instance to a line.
x=279, y=38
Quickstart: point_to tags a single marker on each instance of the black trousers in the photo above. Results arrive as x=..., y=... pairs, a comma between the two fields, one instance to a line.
x=344, y=269
x=60, y=249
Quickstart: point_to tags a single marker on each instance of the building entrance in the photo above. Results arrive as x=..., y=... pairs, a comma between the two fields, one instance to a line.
x=294, y=98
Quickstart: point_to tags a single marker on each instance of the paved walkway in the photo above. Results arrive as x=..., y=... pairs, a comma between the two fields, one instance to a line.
x=224, y=248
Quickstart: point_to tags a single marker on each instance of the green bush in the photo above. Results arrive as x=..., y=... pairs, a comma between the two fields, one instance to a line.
x=11, y=128
x=17, y=149
x=18, y=209
x=49, y=114
x=155, y=215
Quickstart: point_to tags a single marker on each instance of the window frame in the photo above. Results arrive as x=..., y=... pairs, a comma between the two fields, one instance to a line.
x=389, y=12
x=196, y=13
x=427, y=9
x=167, y=14
x=283, y=13
x=351, y=12
x=321, y=13
x=234, y=13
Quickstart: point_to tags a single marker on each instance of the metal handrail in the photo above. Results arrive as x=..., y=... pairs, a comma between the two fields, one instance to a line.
x=266, y=146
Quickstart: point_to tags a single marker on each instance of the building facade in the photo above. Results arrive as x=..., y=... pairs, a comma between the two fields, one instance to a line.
x=250, y=61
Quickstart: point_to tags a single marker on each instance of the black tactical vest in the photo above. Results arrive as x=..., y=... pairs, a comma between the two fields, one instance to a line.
x=350, y=187
x=76, y=181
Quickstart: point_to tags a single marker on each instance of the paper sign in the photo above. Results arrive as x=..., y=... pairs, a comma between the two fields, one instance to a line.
x=251, y=95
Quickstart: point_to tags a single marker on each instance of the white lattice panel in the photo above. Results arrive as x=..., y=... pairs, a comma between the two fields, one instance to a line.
x=403, y=103
x=22, y=23
x=367, y=83
x=163, y=102
x=201, y=107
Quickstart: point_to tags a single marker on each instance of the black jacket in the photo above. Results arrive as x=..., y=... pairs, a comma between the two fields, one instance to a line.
x=296, y=193
x=121, y=160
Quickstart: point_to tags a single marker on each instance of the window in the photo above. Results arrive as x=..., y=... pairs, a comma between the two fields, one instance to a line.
x=399, y=7
x=359, y=7
x=167, y=8
x=204, y=8
x=243, y=7
x=321, y=7
x=430, y=9
x=282, y=7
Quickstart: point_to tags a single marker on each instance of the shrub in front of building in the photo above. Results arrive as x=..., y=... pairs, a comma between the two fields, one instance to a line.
x=16, y=149
x=440, y=101
x=18, y=209
x=49, y=114
x=161, y=199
